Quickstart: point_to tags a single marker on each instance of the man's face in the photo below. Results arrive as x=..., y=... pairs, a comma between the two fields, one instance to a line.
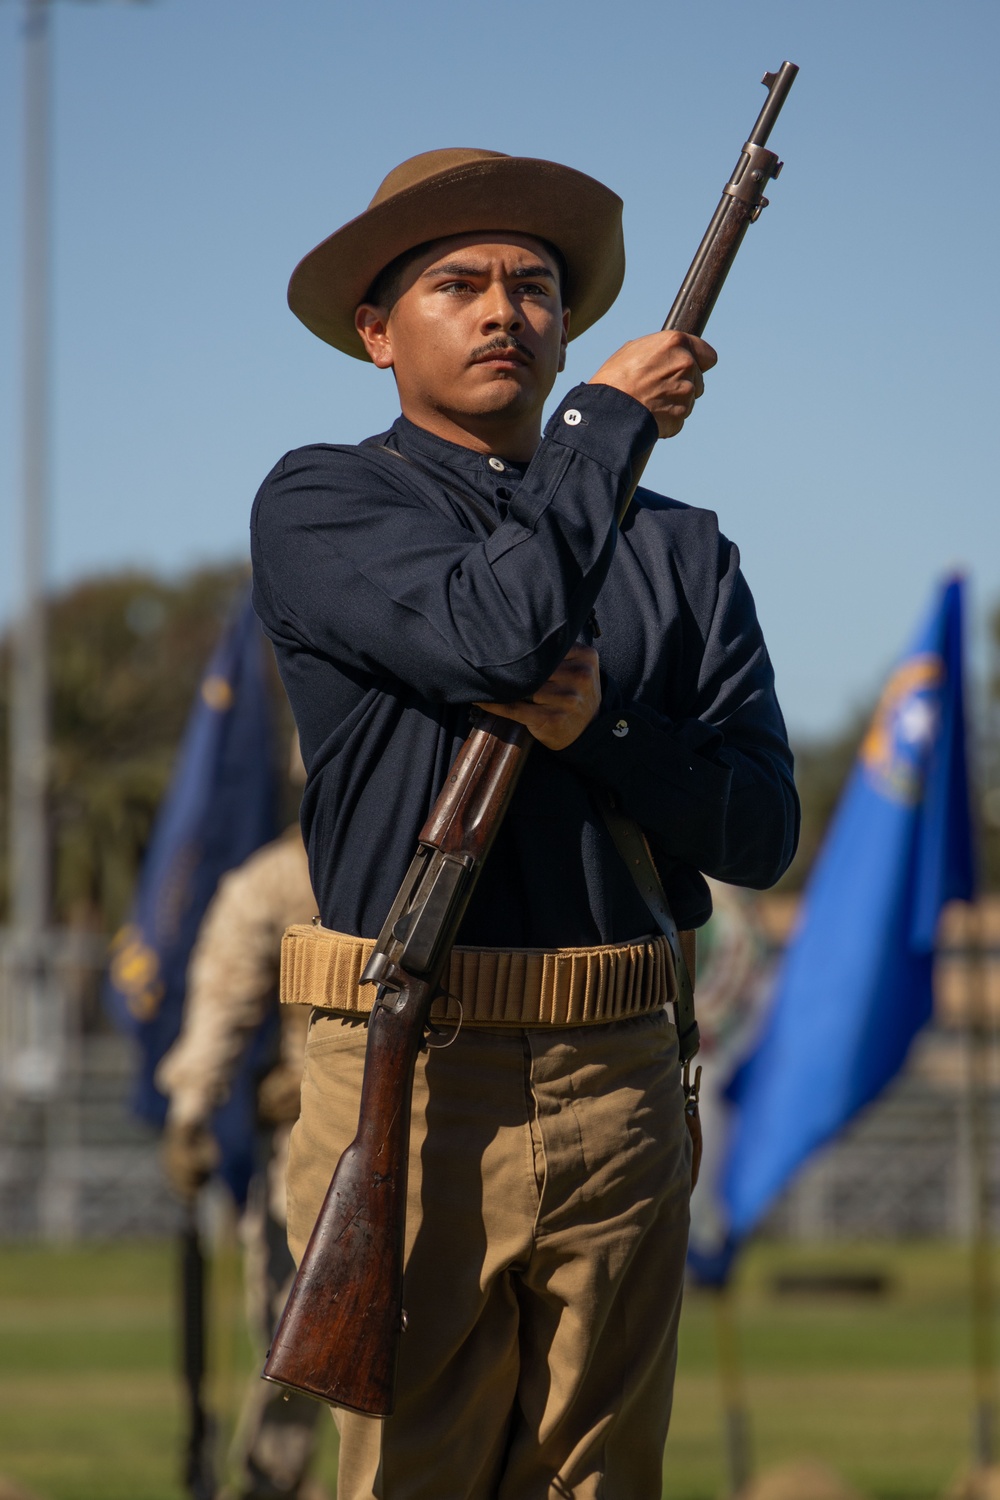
x=478, y=330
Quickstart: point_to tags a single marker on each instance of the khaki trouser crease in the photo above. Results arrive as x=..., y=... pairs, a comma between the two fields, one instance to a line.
x=545, y=1241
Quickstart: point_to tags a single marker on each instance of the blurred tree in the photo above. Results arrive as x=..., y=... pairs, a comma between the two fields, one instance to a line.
x=127, y=654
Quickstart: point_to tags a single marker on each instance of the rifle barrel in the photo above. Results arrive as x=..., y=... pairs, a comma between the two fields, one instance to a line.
x=740, y=205
x=778, y=85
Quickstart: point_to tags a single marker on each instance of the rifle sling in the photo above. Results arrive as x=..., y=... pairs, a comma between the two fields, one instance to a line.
x=486, y=517
x=629, y=839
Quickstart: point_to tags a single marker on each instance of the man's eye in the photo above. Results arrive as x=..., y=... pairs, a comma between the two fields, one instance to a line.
x=535, y=289
x=456, y=286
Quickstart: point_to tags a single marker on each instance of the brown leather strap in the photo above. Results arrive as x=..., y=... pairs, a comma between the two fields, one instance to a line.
x=488, y=519
x=630, y=841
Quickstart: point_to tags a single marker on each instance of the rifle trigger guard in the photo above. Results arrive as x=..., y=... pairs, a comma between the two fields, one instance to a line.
x=443, y=1046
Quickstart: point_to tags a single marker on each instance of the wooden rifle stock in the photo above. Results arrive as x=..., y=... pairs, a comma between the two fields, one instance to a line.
x=338, y=1337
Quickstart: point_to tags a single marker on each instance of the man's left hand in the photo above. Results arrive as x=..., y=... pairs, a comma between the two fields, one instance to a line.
x=189, y=1154
x=559, y=711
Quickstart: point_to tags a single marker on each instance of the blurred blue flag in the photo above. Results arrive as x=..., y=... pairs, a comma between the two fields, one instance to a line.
x=221, y=805
x=855, y=986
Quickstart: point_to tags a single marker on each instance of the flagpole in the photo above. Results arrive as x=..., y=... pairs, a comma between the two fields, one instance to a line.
x=979, y=1049
x=735, y=1416
x=28, y=877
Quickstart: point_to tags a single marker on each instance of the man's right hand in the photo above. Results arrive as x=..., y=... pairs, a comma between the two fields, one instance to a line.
x=190, y=1155
x=664, y=371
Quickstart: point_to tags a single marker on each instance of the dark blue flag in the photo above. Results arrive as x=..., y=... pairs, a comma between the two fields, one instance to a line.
x=855, y=986
x=221, y=805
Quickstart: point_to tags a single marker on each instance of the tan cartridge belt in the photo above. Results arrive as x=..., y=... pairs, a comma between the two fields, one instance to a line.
x=495, y=986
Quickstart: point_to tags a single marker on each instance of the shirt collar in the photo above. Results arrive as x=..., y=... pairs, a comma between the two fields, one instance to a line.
x=412, y=438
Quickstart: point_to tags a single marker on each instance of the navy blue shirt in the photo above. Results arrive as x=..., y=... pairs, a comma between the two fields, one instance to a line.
x=405, y=578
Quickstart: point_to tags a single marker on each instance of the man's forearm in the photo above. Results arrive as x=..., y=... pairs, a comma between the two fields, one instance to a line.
x=357, y=557
x=714, y=805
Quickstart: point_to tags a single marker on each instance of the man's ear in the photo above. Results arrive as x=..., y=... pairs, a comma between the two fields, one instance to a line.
x=372, y=324
x=565, y=339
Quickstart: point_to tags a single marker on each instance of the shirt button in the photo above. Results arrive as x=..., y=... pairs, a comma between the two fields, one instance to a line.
x=572, y=418
x=497, y=465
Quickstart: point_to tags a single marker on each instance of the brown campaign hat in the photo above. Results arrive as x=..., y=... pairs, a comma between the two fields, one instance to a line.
x=459, y=191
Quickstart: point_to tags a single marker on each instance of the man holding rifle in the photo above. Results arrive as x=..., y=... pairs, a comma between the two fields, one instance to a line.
x=465, y=558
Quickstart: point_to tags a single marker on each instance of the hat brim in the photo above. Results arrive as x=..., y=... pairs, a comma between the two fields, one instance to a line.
x=509, y=194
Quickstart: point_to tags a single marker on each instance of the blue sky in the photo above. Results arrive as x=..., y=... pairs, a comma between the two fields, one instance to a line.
x=847, y=438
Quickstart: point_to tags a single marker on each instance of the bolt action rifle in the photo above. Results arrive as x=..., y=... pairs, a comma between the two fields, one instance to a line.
x=338, y=1337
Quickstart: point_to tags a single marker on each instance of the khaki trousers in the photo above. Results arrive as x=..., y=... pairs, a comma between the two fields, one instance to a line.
x=545, y=1240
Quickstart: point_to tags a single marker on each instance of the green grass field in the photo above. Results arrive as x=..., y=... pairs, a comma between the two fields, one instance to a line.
x=877, y=1388
x=90, y=1408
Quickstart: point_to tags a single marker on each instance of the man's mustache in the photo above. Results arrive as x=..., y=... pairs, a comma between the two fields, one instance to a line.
x=499, y=344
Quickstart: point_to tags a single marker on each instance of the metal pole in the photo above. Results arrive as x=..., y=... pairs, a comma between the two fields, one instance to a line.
x=979, y=1039
x=735, y=1416
x=32, y=1061
x=29, y=757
